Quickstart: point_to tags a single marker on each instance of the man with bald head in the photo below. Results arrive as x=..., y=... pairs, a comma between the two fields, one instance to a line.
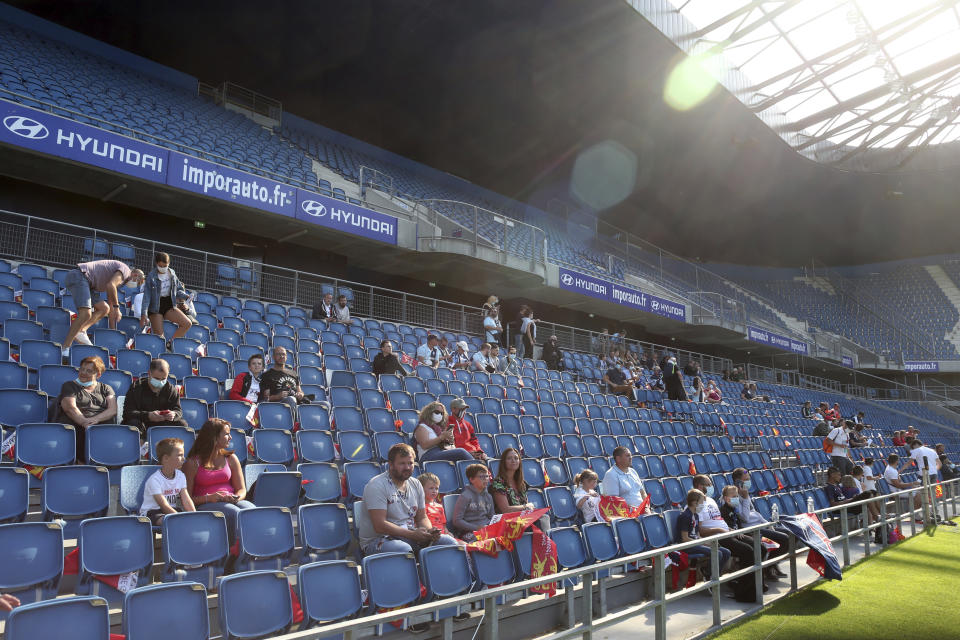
x=279, y=383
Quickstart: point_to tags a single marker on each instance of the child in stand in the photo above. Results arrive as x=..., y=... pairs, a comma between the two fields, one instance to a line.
x=434, y=508
x=166, y=489
x=848, y=485
x=474, y=509
x=586, y=495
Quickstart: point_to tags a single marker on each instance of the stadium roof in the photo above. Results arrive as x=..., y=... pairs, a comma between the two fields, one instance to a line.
x=858, y=84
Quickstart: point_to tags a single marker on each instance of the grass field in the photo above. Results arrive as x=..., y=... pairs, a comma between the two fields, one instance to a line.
x=906, y=592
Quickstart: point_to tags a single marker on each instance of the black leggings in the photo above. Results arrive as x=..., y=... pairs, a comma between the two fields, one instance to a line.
x=527, y=347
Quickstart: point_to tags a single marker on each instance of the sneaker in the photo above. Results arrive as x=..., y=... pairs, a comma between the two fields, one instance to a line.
x=420, y=627
x=460, y=617
x=82, y=338
x=949, y=523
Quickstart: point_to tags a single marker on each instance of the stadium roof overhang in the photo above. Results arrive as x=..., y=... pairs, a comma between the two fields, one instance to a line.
x=862, y=85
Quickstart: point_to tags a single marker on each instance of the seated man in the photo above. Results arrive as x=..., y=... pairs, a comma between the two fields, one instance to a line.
x=324, y=309
x=891, y=474
x=460, y=359
x=750, y=516
x=480, y=361
x=834, y=491
x=617, y=382
x=429, y=353
x=386, y=361
x=281, y=384
x=712, y=523
x=152, y=401
x=342, y=312
x=623, y=481
x=395, y=507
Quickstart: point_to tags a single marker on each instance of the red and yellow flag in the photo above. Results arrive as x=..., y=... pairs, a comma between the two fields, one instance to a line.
x=502, y=533
x=612, y=507
x=938, y=490
x=543, y=562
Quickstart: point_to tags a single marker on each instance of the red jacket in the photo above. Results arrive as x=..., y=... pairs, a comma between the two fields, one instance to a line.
x=241, y=385
x=463, y=435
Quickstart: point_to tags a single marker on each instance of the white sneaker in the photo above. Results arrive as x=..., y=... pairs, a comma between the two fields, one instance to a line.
x=82, y=338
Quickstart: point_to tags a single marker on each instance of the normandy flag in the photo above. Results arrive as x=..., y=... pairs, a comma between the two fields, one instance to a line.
x=612, y=507
x=543, y=561
x=938, y=490
x=503, y=530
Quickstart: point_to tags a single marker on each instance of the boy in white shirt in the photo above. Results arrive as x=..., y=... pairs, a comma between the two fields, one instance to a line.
x=166, y=489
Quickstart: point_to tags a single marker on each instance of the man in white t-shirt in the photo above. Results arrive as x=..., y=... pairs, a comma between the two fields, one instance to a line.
x=892, y=475
x=622, y=480
x=712, y=523
x=840, y=456
x=480, y=362
x=928, y=462
x=429, y=353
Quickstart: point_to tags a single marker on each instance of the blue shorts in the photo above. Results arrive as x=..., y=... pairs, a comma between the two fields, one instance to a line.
x=79, y=287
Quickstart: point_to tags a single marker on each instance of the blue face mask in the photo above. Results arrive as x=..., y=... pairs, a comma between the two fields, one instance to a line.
x=157, y=383
x=710, y=491
x=735, y=502
x=85, y=384
x=746, y=485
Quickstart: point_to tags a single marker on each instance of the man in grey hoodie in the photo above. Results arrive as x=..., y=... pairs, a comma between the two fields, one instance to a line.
x=474, y=508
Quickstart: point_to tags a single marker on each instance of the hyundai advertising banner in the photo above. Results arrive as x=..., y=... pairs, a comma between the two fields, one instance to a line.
x=343, y=216
x=762, y=336
x=618, y=294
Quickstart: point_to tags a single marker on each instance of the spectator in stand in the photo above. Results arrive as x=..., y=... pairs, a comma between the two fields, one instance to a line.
x=341, y=311
x=213, y=472
x=747, y=393
x=617, y=383
x=928, y=463
x=324, y=309
x=464, y=436
x=585, y=494
x=857, y=439
x=152, y=401
x=386, y=361
x=493, y=302
x=246, y=386
x=647, y=361
x=460, y=359
x=445, y=355
x=840, y=456
x=435, y=436
x=162, y=294
x=552, y=354
x=807, y=410
x=603, y=343
x=492, y=329
x=509, y=488
x=873, y=511
x=714, y=394
x=948, y=470
x=494, y=357
x=744, y=506
x=834, y=492
x=481, y=361
x=898, y=440
x=280, y=384
x=688, y=529
x=396, y=509
x=623, y=481
x=429, y=353
x=833, y=413
x=699, y=391
x=517, y=328
x=474, y=508
x=86, y=401
x=432, y=506
x=656, y=380
x=860, y=419
x=939, y=448
x=822, y=429
x=188, y=309
x=712, y=523
x=692, y=368
x=729, y=501
x=85, y=284
x=528, y=328
x=891, y=473
x=511, y=365
x=673, y=379
x=166, y=489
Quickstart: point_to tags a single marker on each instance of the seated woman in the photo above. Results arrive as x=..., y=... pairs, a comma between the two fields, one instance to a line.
x=714, y=395
x=246, y=386
x=699, y=391
x=214, y=476
x=435, y=436
x=509, y=489
x=86, y=401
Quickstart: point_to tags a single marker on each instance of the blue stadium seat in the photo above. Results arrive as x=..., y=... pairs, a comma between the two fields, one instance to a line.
x=13, y=375
x=16, y=330
x=329, y=591
x=446, y=471
x=119, y=381
x=42, y=444
x=194, y=547
x=275, y=415
x=233, y=411
x=87, y=618
x=630, y=536
x=14, y=494
x=273, y=446
x=315, y=446
x=113, y=546
x=154, y=345
x=497, y=570
x=321, y=481
x=357, y=475
x=563, y=508
x=324, y=531
x=265, y=536
x=254, y=604
x=31, y=560
x=111, y=339
x=446, y=573
x=136, y=361
x=195, y=412
x=202, y=388
x=655, y=531
x=355, y=446
x=133, y=478
x=392, y=580
x=276, y=489
x=112, y=446
x=160, y=432
x=146, y=612
x=51, y=379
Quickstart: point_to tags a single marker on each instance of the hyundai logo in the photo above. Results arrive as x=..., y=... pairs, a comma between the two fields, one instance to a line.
x=25, y=127
x=566, y=279
x=313, y=208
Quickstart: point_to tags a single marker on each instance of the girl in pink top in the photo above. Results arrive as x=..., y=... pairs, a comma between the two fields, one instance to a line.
x=214, y=476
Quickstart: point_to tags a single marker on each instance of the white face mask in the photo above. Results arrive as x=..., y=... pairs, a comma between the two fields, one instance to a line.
x=437, y=416
x=162, y=269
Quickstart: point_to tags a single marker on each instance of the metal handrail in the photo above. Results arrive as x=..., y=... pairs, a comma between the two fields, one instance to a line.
x=588, y=623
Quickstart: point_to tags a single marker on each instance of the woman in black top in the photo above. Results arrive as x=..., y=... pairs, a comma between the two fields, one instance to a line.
x=386, y=361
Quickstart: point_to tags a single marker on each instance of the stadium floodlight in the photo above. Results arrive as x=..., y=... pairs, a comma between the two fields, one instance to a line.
x=858, y=84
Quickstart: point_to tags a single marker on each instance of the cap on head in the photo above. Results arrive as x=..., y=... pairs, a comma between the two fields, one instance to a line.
x=463, y=345
x=457, y=403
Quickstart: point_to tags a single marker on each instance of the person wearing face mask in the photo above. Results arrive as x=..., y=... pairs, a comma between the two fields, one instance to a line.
x=744, y=506
x=152, y=401
x=162, y=294
x=87, y=284
x=86, y=401
x=688, y=529
x=435, y=436
x=464, y=436
x=511, y=364
x=246, y=386
x=712, y=523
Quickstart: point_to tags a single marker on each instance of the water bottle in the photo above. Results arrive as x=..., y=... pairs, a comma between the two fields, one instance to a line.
x=775, y=512
x=810, y=506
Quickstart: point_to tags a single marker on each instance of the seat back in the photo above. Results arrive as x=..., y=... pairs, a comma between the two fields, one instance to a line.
x=14, y=494
x=87, y=618
x=254, y=604
x=195, y=546
x=392, y=579
x=31, y=560
x=146, y=612
x=113, y=546
x=265, y=536
x=329, y=590
x=133, y=478
x=324, y=530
